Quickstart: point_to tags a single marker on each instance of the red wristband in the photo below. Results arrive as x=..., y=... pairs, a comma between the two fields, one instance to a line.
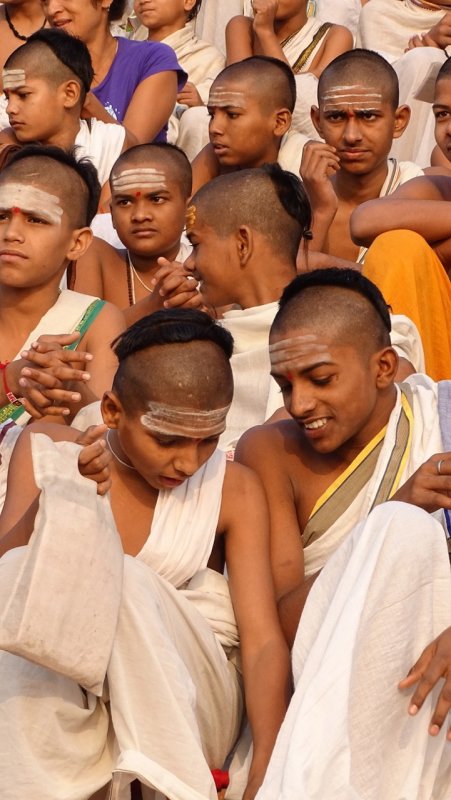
x=11, y=397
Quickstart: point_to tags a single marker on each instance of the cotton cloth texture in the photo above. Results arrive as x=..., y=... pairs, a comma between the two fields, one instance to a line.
x=414, y=282
x=171, y=704
x=380, y=599
x=133, y=63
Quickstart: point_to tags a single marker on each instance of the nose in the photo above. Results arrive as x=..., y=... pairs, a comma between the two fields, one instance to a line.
x=186, y=462
x=141, y=209
x=216, y=126
x=352, y=132
x=13, y=231
x=50, y=8
x=11, y=104
x=301, y=401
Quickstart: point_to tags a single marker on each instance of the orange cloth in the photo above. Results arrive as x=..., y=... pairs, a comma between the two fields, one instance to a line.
x=414, y=282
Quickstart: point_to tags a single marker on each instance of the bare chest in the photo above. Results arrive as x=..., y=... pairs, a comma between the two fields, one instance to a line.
x=339, y=242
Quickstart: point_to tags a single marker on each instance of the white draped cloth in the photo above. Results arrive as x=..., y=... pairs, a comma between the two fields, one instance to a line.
x=170, y=708
x=383, y=596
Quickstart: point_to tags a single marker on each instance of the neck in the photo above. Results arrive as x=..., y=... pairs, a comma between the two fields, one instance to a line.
x=286, y=27
x=149, y=264
x=102, y=49
x=22, y=309
x=158, y=34
x=260, y=289
x=356, y=189
x=65, y=138
x=27, y=16
x=270, y=156
x=381, y=415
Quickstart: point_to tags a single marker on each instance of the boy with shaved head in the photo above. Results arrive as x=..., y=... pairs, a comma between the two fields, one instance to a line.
x=47, y=200
x=373, y=576
x=53, y=71
x=250, y=106
x=358, y=117
x=150, y=186
x=153, y=690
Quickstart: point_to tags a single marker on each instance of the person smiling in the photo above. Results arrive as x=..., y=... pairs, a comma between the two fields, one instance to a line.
x=128, y=76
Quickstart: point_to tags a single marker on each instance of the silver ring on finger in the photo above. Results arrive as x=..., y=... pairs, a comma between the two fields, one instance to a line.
x=439, y=465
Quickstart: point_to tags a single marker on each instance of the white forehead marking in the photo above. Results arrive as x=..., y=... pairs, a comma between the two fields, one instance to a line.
x=297, y=352
x=222, y=97
x=13, y=78
x=145, y=178
x=174, y=421
x=30, y=199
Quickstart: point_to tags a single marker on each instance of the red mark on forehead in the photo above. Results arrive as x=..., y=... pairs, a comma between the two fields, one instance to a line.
x=138, y=194
x=15, y=210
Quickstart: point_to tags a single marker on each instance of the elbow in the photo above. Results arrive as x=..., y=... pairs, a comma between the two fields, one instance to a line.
x=362, y=225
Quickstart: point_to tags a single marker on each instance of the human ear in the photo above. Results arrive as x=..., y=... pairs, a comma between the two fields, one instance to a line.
x=245, y=244
x=386, y=362
x=402, y=117
x=188, y=5
x=71, y=90
x=282, y=121
x=81, y=239
x=111, y=408
x=315, y=117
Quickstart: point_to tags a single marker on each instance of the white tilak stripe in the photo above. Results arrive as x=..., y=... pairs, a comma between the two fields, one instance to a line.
x=13, y=78
x=145, y=178
x=335, y=96
x=31, y=200
x=169, y=420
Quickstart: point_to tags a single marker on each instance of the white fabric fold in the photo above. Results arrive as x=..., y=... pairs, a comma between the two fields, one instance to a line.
x=383, y=596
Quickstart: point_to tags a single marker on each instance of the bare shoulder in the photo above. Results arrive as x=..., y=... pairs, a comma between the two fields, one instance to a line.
x=109, y=323
x=266, y=439
x=243, y=498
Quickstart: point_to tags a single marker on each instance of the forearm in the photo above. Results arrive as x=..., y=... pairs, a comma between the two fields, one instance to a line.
x=309, y=260
x=291, y=606
x=141, y=309
x=20, y=534
x=430, y=218
x=270, y=45
x=268, y=686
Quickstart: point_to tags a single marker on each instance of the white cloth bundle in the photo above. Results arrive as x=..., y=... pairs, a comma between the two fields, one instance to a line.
x=45, y=618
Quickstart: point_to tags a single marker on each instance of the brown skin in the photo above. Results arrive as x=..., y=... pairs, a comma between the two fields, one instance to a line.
x=273, y=22
x=27, y=17
x=419, y=206
x=337, y=185
x=242, y=528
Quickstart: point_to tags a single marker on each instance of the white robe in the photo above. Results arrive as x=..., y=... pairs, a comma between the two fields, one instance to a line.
x=381, y=598
x=386, y=26
x=102, y=143
x=175, y=698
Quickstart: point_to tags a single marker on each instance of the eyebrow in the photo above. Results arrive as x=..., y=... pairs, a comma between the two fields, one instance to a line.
x=324, y=363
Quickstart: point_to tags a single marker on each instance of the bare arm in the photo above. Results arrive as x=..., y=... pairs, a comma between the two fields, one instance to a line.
x=338, y=40
x=238, y=36
x=265, y=657
x=151, y=105
x=89, y=273
x=418, y=206
x=97, y=340
x=205, y=167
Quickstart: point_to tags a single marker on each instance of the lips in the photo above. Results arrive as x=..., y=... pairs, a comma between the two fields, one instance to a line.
x=170, y=483
x=144, y=232
x=60, y=23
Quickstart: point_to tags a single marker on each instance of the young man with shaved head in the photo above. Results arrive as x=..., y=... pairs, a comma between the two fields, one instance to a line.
x=45, y=82
x=150, y=187
x=153, y=689
x=370, y=577
x=47, y=200
x=250, y=106
x=358, y=117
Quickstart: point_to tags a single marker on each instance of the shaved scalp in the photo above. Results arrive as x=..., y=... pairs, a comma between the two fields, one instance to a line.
x=341, y=303
x=267, y=199
x=179, y=357
x=52, y=169
x=362, y=67
x=166, y=156
x=55, y=57
x=269, y=80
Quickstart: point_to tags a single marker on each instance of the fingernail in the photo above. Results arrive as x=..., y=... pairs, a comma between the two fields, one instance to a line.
x=86, y=376
x=22, y=382
x=24, y=354
x=26, y=371
x=434, y=729
x=65, y=411
x=76, y=396
x=88, y=357
x=103, y=443
x=413, y=709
